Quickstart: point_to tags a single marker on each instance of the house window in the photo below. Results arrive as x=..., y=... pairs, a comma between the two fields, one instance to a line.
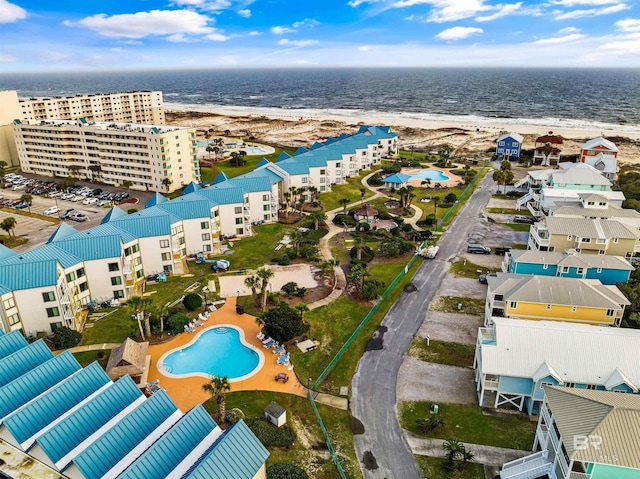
x=206, y=237
x=601, y=241
x=114, y=267
x=166, y=256
x=305, y=179
x=545, y=266
x=337, y=165
x=615, y=240
x=570, y=385
x=501, y=143
x=139, y=274
x=116, y=280
x=46, y=297
x=83, y=287
x=266, y=207
x=70, y=277
x=55, y=326
x=239, y=231
x=569, y=237
x=565, y=269
x=267, y=217
x=591, y=387
x=574, y=309
x=238, y=210
x=14, y=319
x=513, y=304
x=119, y=294
x=265, y=197
x=514, y=145
x=610, y=312
x=181, y=240
x=135, y=248
x=206, y=247
x=52, y=312
x=323, y=188
x=586, y=240
x=548, y=307
x=164, y=243
x=204, y=225
x=599, y=270
x=323, y=172
x=580, y=270
x=127, y=251
x=9, y=303
x=80, y=272
x=137, y=261
x=238, y=221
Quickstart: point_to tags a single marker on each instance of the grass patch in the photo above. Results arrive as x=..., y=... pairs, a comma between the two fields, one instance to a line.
x=518, y=246
x=443, y=352
x=12, y=241
x=13, y=211
x=436, y=468
x=467, y=423
x=87, y=357
x=208, y=174
x=508, y=211
x=114, y=328
x=350, y=189
x=450, y=304
x=309, y=450
x=467, y=269
x=518, y=226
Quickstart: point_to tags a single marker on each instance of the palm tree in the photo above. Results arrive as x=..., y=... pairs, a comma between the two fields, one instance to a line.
x=357, y=244
x=403, y=196
x=467, y=456
x=344, y=202
x=73, y=169
x=318, y=217
x=265, y=275
x=287, y=196
x=216, y=387
x=162, y=311
x=453, y=449
x=216, y=151
x=436, y=200
x=363, y=191
x=410, y=195
x=27, y=198
x=95, y=171
x=8, y=224
x=227, y=132
x=253, y=282
x=167, y=182
x=302, y=308
x=209, y=149
x=466, y=169
x=296, y=239
x=313, y=191
x=426, y=182
x=140, y=306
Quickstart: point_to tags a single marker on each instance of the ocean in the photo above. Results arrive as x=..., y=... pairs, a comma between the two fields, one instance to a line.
x=571, y=98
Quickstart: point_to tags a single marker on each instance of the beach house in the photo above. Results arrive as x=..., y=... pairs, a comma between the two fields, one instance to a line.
x=605, y=268
x=79, y=423
x=509, y=145
x=514, y=359
x=547, y=149
x=552, y=298
x=582, y=434
x=596, y=206
x=602, y=154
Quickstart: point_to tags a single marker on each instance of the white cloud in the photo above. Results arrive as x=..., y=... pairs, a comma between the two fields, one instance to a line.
x=217, y=37
x=446, y=10
x=307, y=22
x=629, y=25
x=564, y=31
x=503, y=11
x=254, y=33
x=626, y=46
x=10, y=12
x=211, y=6
x=143, y=24
x=357, y=3
x=118, y=50
x=591, y=12
x=246, y=13
x=177, y=38
x=573, y=3
x=281, y=30
x=364, y=48
x=557, y=40
x=297, y=43
x=458, y=33
x=6, y=57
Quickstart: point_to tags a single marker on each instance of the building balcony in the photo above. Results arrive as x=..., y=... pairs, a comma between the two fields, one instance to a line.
x=540, y=234
x=491, y=384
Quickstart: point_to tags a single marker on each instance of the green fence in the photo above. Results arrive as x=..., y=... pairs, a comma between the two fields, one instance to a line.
x=334, y=456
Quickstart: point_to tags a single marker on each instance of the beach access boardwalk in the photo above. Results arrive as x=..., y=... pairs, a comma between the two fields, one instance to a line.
x=382, y=448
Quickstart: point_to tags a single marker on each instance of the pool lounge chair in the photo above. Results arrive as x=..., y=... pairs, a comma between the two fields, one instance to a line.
x=269, y=343
x=275, y=344
x=279, y=350
x=260, y=336
x=154, y=389
x=268, y=340
x=188, y=329
x=203, y=317
x=153, y=383
x=197, y=323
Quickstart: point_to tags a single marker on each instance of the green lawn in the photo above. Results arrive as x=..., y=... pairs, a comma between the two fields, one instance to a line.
x=87, y=357
x=309, y=451
x=350, y=189
x=468, y=424
x=518, y=226
x=450, y=304
x=443, y=352
x=208, y=174
x=508, y=211
x=467, y=269
x=436, y=468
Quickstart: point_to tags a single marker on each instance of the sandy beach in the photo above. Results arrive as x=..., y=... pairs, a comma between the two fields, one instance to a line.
x=469, y=137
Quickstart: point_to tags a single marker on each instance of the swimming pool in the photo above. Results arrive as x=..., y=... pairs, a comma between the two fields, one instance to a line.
x=205, y=143
x=219, y=351
x=433, y=175
x=254, y=150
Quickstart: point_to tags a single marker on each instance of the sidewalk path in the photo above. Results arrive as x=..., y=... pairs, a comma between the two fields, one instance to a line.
x=91, y=347
x=487, y=455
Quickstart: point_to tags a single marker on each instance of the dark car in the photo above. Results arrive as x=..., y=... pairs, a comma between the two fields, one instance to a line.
x=478, y=249
x=502, y=250
x=483, y=277
x=67, y=213
x=525, y=219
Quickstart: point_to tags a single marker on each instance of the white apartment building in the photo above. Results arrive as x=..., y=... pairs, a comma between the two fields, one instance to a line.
x=127, y=107
x=158, y=158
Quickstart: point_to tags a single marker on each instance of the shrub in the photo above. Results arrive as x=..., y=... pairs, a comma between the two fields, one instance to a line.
x=383, y=215
x=372, y=289
x=300, y=292
x=428, y=425
x=192, y=301
x=363, y=226
x=407, y=227
x=344, y=220
x=270, y=435
x=283, y=323
x=285, y=470
x=375, y=180
x=395, y=247
x=65, y=338
x=176, y=322
x=290, y=287
x=283, y=260
x=131, y=211
x=450, y=198
x=309, y=251
x=234, y=415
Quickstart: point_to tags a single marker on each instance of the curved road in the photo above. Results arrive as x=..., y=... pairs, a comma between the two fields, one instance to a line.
x=381, y=448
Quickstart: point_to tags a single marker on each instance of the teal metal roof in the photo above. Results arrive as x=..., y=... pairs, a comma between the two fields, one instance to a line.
x=236, y=455
x=45, y=252
x=191, y=188
x=89, y=247
x=29, y=274
x=221, y=178
x=142, y=226
x=293, y=167
x=113, y=214
x=6, y=252
x=316, y=145
x=11, y=342
x=283, y=156
x=156, y=199
x=223, y=194
x=396, y=178
x=97, y=459
x=30, y=385
x=63, y=231
x=155, y=211
x=262, y=162
x=189, y=207
x=253, y=185
x=176, y=444
x=299, y=151
x=62, y=438
x=23, y=361
x=107, y=230
x=62, y=397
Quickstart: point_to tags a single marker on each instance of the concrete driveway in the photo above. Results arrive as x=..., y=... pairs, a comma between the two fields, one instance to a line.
x=451, y=327
x=459, y=286
x=433, y=382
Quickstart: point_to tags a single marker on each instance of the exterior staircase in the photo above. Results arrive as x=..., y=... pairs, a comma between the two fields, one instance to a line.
x=532, y=466
x=525, y=199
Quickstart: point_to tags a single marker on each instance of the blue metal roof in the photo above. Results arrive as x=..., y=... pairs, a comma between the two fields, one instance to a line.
x=142, y=226
x=223, y=195
x=66, y=435
x=6, y=252
x=113, y=214
x=238, y=454
x=63, y=231
x=176, y=444
x=300, y=151
x=316, y=145
x=62, y=397
x=30, y=385
x=221, y=178
x=189, y=207
x=396, y=178
x=283, y=156
x=45, y=252
x=23, y=361
x=156, y=199
x=293, y=167
x=97, y=459
x=11, y=342
x=90, y=247
x=262, y=162
x=29, y=274
x=191, y=188
x=107, y=229
x=253, y=185
x=155, y=211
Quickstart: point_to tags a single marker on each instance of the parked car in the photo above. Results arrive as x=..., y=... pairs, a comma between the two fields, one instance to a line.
x=502, y=250
x=525, y=219
x=478, y=249
x=52, y=210
x=23, y=205
x=103, y=203
x=79, y=217
x=67, y=213
x=483, y=277
x=55, y=194
x=77, y=198
x=90, y=201
x=14, y=203
x=19, y=186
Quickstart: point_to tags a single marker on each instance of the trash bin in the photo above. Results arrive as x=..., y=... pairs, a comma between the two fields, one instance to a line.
x=239, y=308
x=434, y=408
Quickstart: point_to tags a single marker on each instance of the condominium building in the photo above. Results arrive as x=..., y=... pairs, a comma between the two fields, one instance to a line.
x=158, y=158
x=127, y=107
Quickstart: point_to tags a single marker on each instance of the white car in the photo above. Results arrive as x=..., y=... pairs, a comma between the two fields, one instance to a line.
x=77, y=198
x=55, y=194
x=67, y=196
x=90, y=201
x=103, y=203
x=20, y=186
x=52, y=210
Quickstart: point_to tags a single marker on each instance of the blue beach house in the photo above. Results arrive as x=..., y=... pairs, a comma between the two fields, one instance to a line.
x=509, y=146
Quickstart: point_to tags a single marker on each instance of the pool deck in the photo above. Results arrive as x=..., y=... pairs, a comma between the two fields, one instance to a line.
x=454, y=180
x=187, y=392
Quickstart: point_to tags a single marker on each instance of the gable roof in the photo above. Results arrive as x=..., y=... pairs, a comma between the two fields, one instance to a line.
x=155, y=199
x=220, y=178
x=23, y=361
x=46, y=252
x=579, y=174
x=519, y=138
x=399, y=178
x=599, y=142
x=63, y=231
x=6, y=252
x=549, y=138
x=143, y=225
x=559, y=258
x=274, y=409
x=28, y=274
x=590, y=228
x=11, y=342
x=114, y=214
x=191, y=188
x=223, y=195
x=128, y=358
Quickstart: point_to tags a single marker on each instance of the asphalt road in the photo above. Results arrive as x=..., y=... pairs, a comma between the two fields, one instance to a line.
x=382, y=448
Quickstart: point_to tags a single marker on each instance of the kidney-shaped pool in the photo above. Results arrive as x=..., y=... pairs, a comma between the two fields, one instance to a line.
x=218, y=351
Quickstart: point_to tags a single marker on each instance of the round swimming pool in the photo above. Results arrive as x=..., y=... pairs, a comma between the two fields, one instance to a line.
x=254, y=150
x=219, y=351
x=433, y=175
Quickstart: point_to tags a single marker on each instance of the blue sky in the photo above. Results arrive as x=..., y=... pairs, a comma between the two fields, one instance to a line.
x=40, y=35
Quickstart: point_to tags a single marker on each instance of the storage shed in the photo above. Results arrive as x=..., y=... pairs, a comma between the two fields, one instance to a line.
x=275, y=414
